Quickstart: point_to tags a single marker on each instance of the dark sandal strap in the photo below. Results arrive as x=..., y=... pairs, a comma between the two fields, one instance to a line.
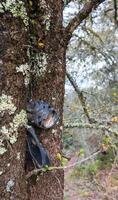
x=37, y=152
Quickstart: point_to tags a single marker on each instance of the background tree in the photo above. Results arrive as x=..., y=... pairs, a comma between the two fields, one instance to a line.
x=33, y=65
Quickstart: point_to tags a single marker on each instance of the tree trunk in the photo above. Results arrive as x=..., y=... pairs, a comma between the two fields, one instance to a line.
x=13, y=54
x=47, y=76
x=32, y=66
x=47, y=60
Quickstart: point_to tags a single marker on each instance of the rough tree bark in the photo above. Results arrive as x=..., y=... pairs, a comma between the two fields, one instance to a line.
x=12, y=103
x=47, y=61
x=38, y=55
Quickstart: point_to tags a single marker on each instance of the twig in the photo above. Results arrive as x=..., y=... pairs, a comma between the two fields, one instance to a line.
x=87, y=125
x=36, y=171
x=94, y=33
x=80, y=95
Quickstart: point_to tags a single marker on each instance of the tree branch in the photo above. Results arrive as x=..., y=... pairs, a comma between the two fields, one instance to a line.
x=91, y=126
x=81, y=97
x=90, y=31
x=78, y=19
x=36, y=171
x=115, y=12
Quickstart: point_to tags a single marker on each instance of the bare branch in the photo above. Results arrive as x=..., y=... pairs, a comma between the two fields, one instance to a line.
x=91, y=126
x=81, y=97
x=78, y=19
x=36, y=171
x=115, y=11
x=94, y=33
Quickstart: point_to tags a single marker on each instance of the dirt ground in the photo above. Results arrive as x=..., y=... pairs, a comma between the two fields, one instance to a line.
x=103, y=186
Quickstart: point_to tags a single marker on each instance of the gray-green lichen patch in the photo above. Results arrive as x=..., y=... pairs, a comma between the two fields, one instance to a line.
x=61, y=128
x=10, y=133
x=53, y=98
x=46, y=17
x=10, y=185
x=40, y=65
x=2, y=148
x=1, y=172
x=7, y=104
x=8, y=165
x=8, y=136
x=54, y=131
x=25, y=70
x=18, y=156
x=17, y=8
x=43, y=4
x=20, y=120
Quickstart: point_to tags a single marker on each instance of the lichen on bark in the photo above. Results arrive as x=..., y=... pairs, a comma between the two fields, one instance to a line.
x=10, y=131
x=7, y=104
x=17, y=8
x=25, y=70
x=39, y=64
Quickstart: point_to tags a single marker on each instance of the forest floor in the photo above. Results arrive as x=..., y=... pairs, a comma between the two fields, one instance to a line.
x=102, y=186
